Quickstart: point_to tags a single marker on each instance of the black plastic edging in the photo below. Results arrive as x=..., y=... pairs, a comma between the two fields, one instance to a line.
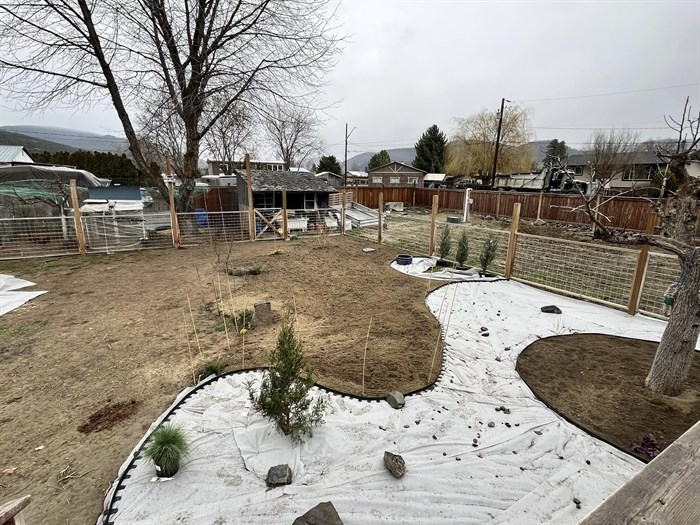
x=561, y=414
x=136, y=455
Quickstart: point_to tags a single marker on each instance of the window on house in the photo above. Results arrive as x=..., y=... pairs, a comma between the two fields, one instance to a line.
x=309, y=201
x=394, y=180
x=376, y=180
x=639, y=173
x=413, y=180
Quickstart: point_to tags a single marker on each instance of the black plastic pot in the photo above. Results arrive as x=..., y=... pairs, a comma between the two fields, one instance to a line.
x=443, y=263
x=404, y=259
x=161, y=473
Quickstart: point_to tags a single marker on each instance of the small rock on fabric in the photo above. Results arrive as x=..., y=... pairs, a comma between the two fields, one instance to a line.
x=394, y=464
x=550, y=309
x=279, y=475
x=322, y=514
x=395, y=399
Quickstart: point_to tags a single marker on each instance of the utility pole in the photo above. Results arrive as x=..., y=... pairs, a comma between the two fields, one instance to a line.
x=498, y=141
x=347, y=136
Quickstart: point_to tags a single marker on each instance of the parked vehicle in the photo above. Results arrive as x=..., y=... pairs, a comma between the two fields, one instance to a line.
x=555, y=180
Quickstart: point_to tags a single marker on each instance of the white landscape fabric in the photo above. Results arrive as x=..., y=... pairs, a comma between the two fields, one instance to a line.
x=525, y=473
x=10, y=298
x=420, y=265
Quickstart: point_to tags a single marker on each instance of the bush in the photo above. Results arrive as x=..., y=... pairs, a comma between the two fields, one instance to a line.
x=445, y=242
x=284, y=392
x=215, y=366
x=488, y=252
x=255, y=270
x=166, y=448
x=244, y=318
x=462, y=249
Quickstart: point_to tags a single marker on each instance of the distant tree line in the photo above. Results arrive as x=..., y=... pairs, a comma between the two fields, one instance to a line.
x=118, y=168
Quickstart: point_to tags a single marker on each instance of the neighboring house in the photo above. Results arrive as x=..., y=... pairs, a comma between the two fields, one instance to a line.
x=356, y=178
x=10, y=154
x=220, y=181
x=644, y=171
x=395, y=174
x=299, y=169
x=332, y=179
x=304, y=190
x=434, y=180
x=216, y=167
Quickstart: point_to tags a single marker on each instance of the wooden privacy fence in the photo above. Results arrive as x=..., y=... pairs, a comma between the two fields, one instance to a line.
x=624, y=212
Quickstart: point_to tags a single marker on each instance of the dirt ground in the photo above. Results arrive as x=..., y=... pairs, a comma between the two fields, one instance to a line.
x=89, y=365
x=598, y=382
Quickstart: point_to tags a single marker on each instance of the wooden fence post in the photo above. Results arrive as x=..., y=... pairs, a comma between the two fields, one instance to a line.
x=11, y=513
x=512, y=240
x=640, y=270
x=342, y=213
x=498, y=203
x=539, y=206
x=251, y=209
x=79, y=233
x=381, y=211
x=284, y=214
x=433, y=224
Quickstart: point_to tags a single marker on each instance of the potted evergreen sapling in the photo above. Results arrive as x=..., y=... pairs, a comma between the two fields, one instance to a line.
x=166, y=448
x=462, y=251
x=444, y=245
x=488, y=253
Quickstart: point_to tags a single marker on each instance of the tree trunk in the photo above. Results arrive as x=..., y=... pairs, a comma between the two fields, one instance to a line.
x=676, y=350
x=189, y=173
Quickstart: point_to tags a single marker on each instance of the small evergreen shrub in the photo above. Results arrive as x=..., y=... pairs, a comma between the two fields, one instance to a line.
x=444, y=242
x=284, y=392
x=488, y=252
x=166, y=448
x=462, y=249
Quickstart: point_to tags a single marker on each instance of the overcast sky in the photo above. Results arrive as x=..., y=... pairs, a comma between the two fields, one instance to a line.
x=410, y=64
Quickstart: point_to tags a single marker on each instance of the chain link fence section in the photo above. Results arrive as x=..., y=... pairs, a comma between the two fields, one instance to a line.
x=215, y=226
x=662, y=271
x=22, y=238
x=598, y=273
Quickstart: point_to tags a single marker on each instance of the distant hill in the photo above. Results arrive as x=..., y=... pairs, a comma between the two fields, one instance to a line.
x=404, y=155
x=76, y=139
x=32, y=144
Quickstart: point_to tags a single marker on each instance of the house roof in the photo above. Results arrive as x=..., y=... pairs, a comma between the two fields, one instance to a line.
x=358, y=174
x=640, y=157
x=265, y=180
x=329, y=173
x=9, y=153
x=435, y=177
x=378, y=168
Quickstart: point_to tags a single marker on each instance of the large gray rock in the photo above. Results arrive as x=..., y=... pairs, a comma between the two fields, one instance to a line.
x=395, y=399
x=551, y=309
x=394, y=464
x=262, y=314
x=279, y=475
x=322, y=514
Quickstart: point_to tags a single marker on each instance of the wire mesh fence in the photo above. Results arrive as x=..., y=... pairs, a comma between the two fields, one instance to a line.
x=114, y=232
x=37, y=237
x=599, y=272
x=218, y=226
x=662, y=271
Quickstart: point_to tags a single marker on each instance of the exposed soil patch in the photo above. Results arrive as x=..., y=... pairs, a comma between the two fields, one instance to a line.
x=117, y=327
x=106, y=417
x=597, y=381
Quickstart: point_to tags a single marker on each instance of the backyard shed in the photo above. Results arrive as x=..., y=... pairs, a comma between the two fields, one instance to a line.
x=304, y=190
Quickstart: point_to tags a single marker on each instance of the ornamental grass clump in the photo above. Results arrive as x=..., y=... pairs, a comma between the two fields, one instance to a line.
x=284, y=392
x=166, y=448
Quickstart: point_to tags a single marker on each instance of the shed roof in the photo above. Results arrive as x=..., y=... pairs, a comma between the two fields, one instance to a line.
x=435, y=177
x=9, y=153
x=330, y=173
x=266, y=180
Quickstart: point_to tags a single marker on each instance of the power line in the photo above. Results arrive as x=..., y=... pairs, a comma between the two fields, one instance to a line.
x=611, y=93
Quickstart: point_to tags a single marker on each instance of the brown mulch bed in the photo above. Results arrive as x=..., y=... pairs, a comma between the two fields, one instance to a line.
x=597, y=381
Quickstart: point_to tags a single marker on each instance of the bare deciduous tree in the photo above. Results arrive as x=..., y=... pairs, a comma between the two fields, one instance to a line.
x=472, y=147
x=292, y=132
x=232, y=136
x=141, y=51
x=678, y=222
